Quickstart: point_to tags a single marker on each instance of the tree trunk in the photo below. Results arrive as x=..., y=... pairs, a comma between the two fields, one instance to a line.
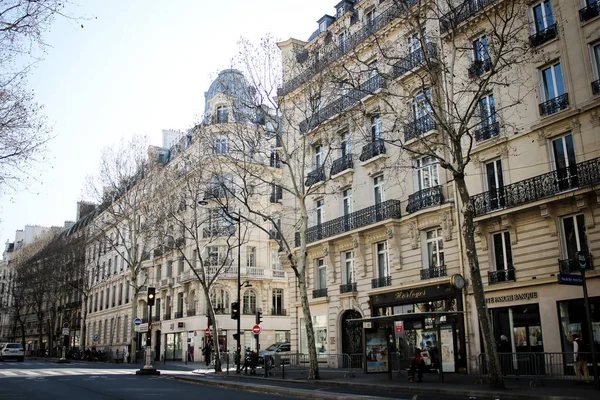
x=468, y=232
x=133, y=340
x=83, y=337
x=215, y=332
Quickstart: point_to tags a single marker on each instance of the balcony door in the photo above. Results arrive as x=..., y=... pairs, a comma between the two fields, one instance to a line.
x=347, y=208
x=574, y=236
x=565, y=163
x=378, y=197
x=495, y=184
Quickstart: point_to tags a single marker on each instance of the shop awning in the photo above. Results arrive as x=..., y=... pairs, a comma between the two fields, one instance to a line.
x=407, y=317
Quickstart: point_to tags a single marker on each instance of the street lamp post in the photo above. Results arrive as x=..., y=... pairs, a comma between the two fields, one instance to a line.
x=239, y=289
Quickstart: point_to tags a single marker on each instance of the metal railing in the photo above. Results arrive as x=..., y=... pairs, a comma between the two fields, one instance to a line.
x=341, y=164
x=479, y=67
x=373, y=149
x=381, y=282
x=358, y=219
x=590, y=11
x=487, y=131
x=218, y=231
x=414, y=59
x=502, y=275
x=536, y=366
x=279, y=311
x=425, y=198
x=348, y=287
x=544, y=35
x=319, y=293
x=461, y=13
x=418, y=127
x=554, y=105
x=434, y=272
x=166, y=316
x=315, y=176
x=581, y=175
x=571, y=265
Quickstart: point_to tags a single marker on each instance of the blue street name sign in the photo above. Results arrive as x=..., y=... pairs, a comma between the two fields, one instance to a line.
x=567, y=279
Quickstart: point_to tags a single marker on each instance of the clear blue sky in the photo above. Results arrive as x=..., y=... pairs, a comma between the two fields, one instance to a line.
x=136, y=67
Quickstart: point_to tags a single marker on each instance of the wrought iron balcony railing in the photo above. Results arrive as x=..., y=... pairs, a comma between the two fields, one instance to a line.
x=315, y=176
x=487, y=130
x=425, y=198
x=341, y=103
x=434, y=272
x=581, y=175
x=191, y=312
x=145, y=256
x=358, y=219
x=590, y=11
x=341, y=164
x=372, y=149
x=479, y=67
x=503, y=275
x=418, y=127
x=461, y=13
x=596, y=87
x=156, y=318
x=414, y=59
x=218, y=231
x=334, y=51
x=319, y=293
x=278, y=311
x=178, y=314
x=249, y=310
x=274, y=234
x=571, y=265
x=544, y=36
x=348, y=287
x=381, y=282
x=555, y=105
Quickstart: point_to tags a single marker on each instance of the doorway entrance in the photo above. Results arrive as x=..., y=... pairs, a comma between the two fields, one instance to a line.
x=351, y=337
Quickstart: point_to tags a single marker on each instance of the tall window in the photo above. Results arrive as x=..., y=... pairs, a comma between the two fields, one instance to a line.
x=101, y=300
x=221, y=114
x=565, y=162
x=216, y=255
x=596, y=61
x=181, y=265
x=345, y=144
x=125, y=326
x=127, y=289
x=222, y=145
x=120, y=293
x=480, y=49
x=542, y=16
x=319, y=209
x=487, y=110
x=426, y=173
x=370, y=18
x=277, y=302
x=552, y=82
x=383, y=267
x=220, y=299
x=275, y=261
x=343, y=41
x=434, y=245
x=495, y=183
x=169, y=269
x=180, y=302
x=376, y=128
x=420, y=105
x=250, y=256
x=378, y=190
x=158, y=273
x=249, y=305
x=502, y=256
x=321, y=281
x=414, y=41
x=318, y=151
x=574, y=236
x=346, y=201
x=348, y=267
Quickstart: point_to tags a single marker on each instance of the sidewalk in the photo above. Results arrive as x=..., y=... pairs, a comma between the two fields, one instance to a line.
x=453, y=385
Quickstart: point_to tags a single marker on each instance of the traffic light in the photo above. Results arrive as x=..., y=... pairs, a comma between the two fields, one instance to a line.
x=235, y=310
x=258, y=317
x=151, y=295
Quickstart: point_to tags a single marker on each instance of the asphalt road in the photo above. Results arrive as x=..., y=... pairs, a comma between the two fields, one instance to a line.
x=39, y=380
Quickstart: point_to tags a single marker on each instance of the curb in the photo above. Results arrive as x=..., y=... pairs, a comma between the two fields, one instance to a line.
x=271, y=389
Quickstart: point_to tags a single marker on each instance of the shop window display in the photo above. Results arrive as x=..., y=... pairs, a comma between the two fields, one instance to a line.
x=320, y=328
x=573, y=321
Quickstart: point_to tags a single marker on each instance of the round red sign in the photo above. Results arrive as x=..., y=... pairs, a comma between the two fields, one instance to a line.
x=256, y=329
x=207, y=332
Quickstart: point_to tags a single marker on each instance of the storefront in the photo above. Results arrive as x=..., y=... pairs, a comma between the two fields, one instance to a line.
x=428, y=318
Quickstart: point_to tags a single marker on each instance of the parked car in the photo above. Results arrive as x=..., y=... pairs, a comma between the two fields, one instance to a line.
x=12, y=350
x=276, y=348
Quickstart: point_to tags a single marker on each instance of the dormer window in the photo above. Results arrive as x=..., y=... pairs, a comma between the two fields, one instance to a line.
x=341, y=11
x=221, y=115
x=323, y=26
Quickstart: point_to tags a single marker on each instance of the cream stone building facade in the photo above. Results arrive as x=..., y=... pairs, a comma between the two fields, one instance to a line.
x=384, y=240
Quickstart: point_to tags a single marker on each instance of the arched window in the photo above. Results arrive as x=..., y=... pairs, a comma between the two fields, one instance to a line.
x=249, y=304
x=219, y=298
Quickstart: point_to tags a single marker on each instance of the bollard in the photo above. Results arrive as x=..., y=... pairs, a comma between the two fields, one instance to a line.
x=227, y=363
x=282, y=370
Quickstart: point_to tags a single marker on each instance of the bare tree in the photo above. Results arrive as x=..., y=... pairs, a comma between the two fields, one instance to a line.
x=125, y=220
x=430, y=80
x=23, y=124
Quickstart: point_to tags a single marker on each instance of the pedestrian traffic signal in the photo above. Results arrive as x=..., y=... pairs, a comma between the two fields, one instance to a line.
x=235, y=310
x=258, y=317
x=151, y=295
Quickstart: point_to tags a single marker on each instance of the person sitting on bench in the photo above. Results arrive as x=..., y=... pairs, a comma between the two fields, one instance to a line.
x=416, y=365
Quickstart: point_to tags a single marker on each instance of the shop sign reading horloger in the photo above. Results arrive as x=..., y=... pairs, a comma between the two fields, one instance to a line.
x=512, y=297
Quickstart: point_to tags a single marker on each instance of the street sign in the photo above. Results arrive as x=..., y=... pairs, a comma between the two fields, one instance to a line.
x=256, y=329
x=66, y=325
x=96, y=337
x=65, y=331
x=137, y=321
x=568, y=279
x=207, y=332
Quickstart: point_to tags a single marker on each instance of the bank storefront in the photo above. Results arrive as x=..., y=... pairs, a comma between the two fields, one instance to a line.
x=428, y=317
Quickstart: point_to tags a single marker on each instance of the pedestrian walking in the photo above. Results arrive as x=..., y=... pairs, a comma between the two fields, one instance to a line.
x=580, y=360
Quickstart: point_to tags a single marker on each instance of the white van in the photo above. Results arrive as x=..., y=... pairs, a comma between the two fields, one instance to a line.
x=12, y=350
